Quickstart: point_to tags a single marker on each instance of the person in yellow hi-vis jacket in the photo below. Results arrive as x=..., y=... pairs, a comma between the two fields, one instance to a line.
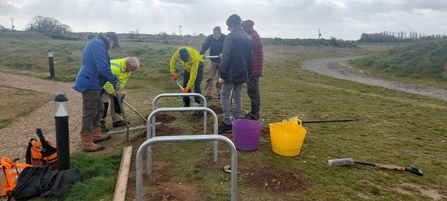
x=193, y=65
x=122, y=69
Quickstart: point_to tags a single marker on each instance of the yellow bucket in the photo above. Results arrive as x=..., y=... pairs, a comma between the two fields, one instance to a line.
x=287, y=137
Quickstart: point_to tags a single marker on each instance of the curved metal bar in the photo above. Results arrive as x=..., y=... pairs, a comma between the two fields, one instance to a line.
x=177, y=95
x=184, y=138
x=150, y=134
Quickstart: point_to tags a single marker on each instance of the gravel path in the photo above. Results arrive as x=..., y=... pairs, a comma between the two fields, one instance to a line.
x=337, y=68
x=14, y=138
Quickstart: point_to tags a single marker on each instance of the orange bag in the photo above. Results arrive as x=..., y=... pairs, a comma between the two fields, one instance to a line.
x=41, y=152
x=12, y=171
x=36, y=154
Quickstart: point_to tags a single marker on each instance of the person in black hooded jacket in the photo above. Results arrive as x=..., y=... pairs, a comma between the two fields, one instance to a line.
x=235, y=69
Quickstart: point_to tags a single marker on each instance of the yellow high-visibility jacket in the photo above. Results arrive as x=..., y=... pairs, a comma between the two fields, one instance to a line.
x=192, y=66
x=118, y=67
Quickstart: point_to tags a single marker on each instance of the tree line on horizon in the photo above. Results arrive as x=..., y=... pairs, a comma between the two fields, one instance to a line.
x=401, y=36
x=53, y=28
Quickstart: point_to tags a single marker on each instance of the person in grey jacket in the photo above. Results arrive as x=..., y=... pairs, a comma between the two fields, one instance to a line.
x=94, y=73
x=235, y=69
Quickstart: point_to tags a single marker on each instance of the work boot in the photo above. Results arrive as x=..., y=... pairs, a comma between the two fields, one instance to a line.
x=224, y=128
x=251, y=116
x=97, y=136
x=103, y=126
x=120, y=123
x=88, y=145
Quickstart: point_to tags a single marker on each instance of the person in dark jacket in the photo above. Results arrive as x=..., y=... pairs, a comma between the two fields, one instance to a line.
x=256, y=72
x=235, y=69
x=94, y=73
x=214, y=42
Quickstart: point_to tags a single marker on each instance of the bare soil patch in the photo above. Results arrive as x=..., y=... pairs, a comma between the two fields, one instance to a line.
x=216, y=109
x=162, y=188
x=273, y=179
x=164, y=118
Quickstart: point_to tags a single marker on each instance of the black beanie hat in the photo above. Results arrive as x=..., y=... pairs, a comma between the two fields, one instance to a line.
x=234, y=20
x=217, y=28
x=184, y=54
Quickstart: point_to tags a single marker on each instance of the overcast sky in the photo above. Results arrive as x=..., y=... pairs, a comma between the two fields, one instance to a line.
x=342, y=19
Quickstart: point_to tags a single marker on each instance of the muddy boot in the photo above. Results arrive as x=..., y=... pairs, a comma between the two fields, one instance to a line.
x=97, y=136
x=251, y=116
x=88, y=145
x=103, y=126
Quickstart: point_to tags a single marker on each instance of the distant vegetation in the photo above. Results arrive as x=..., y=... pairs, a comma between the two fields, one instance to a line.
x=423, y=59
x=308, y=42
x=419, y=59
x=401, y=36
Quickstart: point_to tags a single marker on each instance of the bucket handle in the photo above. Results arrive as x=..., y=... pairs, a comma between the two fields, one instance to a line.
x=298, y=121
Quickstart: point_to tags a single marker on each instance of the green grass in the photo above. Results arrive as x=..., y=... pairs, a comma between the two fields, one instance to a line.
x=17, y=103
x=98, y=177
x=394, y=128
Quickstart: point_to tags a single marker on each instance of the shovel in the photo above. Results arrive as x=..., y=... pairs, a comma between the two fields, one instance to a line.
x=136, y=112
x=122, y=112
x=350, y=161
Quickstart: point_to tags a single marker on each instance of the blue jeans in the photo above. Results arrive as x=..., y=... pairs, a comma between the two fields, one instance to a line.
x=197, y=83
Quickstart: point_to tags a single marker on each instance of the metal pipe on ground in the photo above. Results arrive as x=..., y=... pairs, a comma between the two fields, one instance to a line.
x=329, y=120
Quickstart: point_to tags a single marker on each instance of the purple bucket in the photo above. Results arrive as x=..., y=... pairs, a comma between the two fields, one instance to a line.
x=246, y=134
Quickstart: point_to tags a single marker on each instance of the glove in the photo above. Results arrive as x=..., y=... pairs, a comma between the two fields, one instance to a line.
x=203, y=56
x=174, y=75
x=220, y=55
x=122, y=96
x=186, y=90
x=221, y=81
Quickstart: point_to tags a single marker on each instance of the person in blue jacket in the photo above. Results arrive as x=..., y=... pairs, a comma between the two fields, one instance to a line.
x=94, y=73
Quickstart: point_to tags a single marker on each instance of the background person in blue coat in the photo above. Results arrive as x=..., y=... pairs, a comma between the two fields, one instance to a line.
x=94, y=73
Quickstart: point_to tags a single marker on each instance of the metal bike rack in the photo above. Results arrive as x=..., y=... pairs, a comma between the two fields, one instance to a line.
x=177, y=95
x=150, y=134
x=184, y=138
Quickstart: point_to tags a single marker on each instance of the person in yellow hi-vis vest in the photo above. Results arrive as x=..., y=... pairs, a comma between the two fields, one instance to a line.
x=193, y=65
x=122, y=69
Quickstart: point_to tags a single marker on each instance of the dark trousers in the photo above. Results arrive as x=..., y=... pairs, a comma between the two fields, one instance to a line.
x=197, y=83
x=253, y=93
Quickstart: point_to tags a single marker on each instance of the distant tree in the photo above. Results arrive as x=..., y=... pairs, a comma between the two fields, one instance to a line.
x=2, y=27
x=90, y=36
x=48, y=25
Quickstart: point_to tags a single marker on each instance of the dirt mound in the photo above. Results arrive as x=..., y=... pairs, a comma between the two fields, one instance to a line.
x=216, y=109
x=174, y=191
x=273, y=179
x=164, y=118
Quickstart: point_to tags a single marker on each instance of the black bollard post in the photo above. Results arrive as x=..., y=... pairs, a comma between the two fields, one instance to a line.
x=62, y=137
x=50, y=62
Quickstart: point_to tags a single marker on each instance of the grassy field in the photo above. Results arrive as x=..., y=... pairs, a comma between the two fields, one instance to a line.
x=394, y=128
